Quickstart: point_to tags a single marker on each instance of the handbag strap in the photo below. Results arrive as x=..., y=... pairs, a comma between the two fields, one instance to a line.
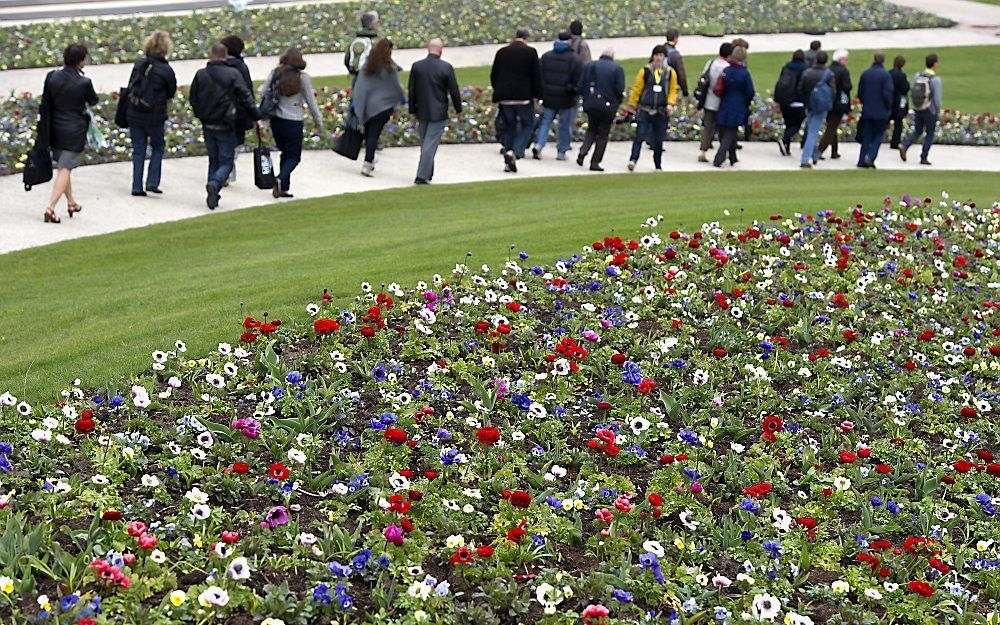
x=260, y=142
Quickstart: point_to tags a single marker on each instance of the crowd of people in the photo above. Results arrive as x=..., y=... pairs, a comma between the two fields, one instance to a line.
x=812, y=91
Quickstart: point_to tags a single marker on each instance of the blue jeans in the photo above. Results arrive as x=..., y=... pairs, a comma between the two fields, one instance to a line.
x=140, y=135
x=814, y=123
x=516, y=137
x=221, y=147
x=872, y=133
x=563, y=136
x=287, y=135
x=924, y=123
x=652, y=128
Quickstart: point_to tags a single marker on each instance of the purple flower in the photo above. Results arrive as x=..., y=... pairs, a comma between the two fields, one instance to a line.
x=275, y=517
x=394, y=534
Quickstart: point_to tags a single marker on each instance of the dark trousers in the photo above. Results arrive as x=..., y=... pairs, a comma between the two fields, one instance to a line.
x=288, y=138
x=140, y=135
x=598, y=129
x=707, y=128
x=727, y=144
x=793, y=116
x=652, y=128
x=829, y=138
x=924, y=122
x=520, y=120
x=897, y=131
x=872, y=133
x=221, y=147
x=373, y=129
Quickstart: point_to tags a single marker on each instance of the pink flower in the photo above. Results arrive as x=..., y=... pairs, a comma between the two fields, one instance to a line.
x=136, y=528
x=394, y=534
x=147, y=541
x=595, y=614
x=697, y=488
x=623, y=504
x=604, y=515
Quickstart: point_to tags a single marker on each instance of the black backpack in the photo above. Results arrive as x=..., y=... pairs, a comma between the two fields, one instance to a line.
x=704, y=85
x=140, y=90
x=787, y=86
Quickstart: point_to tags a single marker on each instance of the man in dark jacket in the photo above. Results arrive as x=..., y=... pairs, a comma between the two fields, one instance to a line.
x=516, y=78
x=675, y=60
x=560, y=75
x=841, y=103
x=217, y=94
x=432, y=82
x=900, y=102
x=602, y=84
x=814, y=118
x=151, y=85
x=235, y=48
x=875, y=93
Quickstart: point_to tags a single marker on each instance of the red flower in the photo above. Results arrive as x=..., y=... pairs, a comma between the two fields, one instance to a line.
x=515, y=535
x=646, y=386
x=462, y=556
x=513, y=306
x=719, y=353
x=484, y=551
x=240, y=467
x=807, y=522
x=325, y=326
x=488, y=435
x=520, y=499
x=367, y=332
x=848, y=457
x=926, y=335
x=968, y=413
x=655, y=500
x=963, y=466
x=395, y=436
x=883, y=468
x=619, y=359
x=993, y=469
x=248, y=337
x=921, y=588
x=84, y=426
x=278, y=471
x=771, y=426
x=230, y=537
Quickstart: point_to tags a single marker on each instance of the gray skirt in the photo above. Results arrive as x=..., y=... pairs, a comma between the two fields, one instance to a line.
x=64, y=159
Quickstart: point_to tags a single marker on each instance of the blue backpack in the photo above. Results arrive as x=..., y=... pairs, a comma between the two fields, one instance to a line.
x=821, y=97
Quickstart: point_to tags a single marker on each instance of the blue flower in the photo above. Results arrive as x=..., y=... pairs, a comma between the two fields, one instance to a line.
x=623, y=595
x=876, y=501
x=293, y=377
x=687, y=436
x=774, y=548
x=380, y=373
x=892, y=507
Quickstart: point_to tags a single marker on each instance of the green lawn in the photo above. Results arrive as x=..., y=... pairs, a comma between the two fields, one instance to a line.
x=95, y=308
x=970, y=84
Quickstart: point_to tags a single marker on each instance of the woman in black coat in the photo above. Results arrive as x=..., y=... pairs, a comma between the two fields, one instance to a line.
x=151, y=86
x=64, y=122
x=235, y=47
x=900, y=103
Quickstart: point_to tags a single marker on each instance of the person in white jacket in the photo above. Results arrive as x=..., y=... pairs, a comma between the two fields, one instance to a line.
x=712, y=101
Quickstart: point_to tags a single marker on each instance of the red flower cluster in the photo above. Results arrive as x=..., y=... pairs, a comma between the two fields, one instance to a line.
x=497, y=345
x=110, y=575
x=395, y=436
x=758, y=491
x=488, y=435
x=605, y=441
x=571, y=350
x=656, y=501
x=85, y=424
x=325, y=326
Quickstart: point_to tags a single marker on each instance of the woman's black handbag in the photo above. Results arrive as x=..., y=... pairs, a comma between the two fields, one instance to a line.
x=121, y=110
x=263, y=165
x=348, y=144
x=37, y=167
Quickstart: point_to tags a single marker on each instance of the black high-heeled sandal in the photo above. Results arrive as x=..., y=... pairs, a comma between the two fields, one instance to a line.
x=73, y=208
x=50, y=217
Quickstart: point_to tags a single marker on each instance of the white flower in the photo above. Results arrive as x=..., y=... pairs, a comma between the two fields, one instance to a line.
x=297, y=456
x=794, y=618
x=455, y=541
x=7, y=400
x=639, y=425
x=196, y=495
x=100, y=480
x=140, y=397
x=174, y=382
x=721, y=581
x=215, y=380
x=225, y=349
x=205, y=440
x=181, y=347
x=213, y=596
x=201, y=511
x=687, y=521
x=840, y=587
x=24, y=408
x=841, y=483
x=560, y=367
x=873, y=594
x=150, y=481
x=398, y=482
x=159, y=356
x=654, y=547
x=230, y=369
x=157, y=556
x=239, y=569
x=765, y=607
x=419, y=590
x=40, y=435
x=782, y=520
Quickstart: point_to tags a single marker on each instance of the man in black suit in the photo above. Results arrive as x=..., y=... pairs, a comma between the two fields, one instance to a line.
x=432, y=82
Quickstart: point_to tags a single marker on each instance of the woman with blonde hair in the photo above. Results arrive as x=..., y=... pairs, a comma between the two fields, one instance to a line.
x=151, y=86
x=376, y=94
x=292, y=89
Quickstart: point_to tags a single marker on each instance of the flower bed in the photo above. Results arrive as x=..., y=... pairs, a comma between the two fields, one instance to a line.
x=328, y=27
x=475, y=125
x=789, y=422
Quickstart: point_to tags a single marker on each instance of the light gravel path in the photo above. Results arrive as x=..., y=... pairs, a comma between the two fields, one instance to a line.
x=104, y=190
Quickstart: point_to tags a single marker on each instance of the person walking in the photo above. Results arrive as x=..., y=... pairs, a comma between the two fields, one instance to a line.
x=875, y=94
x=235, y=49
x=714, y=68
x=841, y=104
x=293, y=88
x=737, y=92
x=516, y=78
x=151, y=87
x=925, y=94
x=432, y=82
x=602, y=84
x=676, y=60
x=376, y=95
x=578, y=44
x=814, y=47
x=218, y=94
x=63, y=126
x=360, y=47
x=816, y=88
x=560, y=75
x=653, y=96
x=786, y=94
x=900, y=100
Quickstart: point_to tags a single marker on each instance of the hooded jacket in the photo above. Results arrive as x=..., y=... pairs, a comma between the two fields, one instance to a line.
x=560, y=75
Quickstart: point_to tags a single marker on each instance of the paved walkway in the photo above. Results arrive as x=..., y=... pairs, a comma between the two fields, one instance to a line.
x=103, y=190
x=14, y=12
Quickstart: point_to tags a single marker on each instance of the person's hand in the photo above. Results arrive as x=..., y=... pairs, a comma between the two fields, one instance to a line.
x=670, y=109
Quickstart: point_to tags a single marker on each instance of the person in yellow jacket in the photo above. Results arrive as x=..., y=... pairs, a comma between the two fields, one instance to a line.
x=652, y=98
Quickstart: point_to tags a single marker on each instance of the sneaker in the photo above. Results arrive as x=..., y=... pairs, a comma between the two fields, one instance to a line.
x=806, y=166
x=924, y=161
x=561, y=157
x=702, y=158
x=631, y=165
x=211, y=195
x=366, y=169
x=536, y=154
x=579, y=158
x=782, y=148
x=511, y=161
x=596, y=168
x=902, y=153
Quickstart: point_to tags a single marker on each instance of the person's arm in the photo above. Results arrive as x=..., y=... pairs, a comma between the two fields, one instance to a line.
x=307, y=91
x=91, y=96
x=245, y=98
x=677, y=62
x=637, y=87
x=887, y=93
x=411, y=90
x=936, y=88
x=751, y=92
x=456, y=95
x=493, y=70
x=585, y=53
x=619, y=81
x=536, y=76
x=672, y=89
x=848, y=85
x=171, y=83
x=574, y=76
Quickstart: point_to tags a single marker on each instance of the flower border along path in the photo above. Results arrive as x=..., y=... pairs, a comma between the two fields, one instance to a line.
x=793, y=420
